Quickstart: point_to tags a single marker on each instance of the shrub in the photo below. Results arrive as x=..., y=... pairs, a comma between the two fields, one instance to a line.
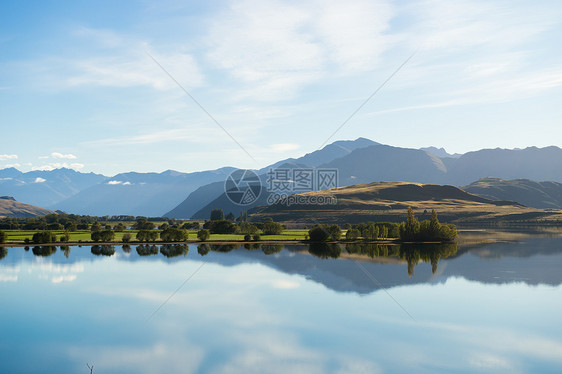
x=172, y=234
x=104, y=236
x=247, y=237
x=272, y=228
x=65, y=237
x=2, y=236
x=44, y=237
x=126, y=238
x=256, y=237
x=203, y=234
x=147, y=235
x=334, y=232
x=248, y=228
x=318, y=234
x=220, y=227
x=191, y=226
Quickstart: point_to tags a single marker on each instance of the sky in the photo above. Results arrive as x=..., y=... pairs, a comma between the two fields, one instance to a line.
x=117, y=86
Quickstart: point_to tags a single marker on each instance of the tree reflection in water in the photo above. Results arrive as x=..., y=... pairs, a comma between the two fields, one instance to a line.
x=147, y=250
x=66, y=250
x=44, y=250
x=104, y=250
x=411, y=253
x=270, y=249
x=325, y=250
x=174, y=250
x=203, y=249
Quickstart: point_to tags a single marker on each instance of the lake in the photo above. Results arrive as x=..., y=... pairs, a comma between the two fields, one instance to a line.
x=283, y=309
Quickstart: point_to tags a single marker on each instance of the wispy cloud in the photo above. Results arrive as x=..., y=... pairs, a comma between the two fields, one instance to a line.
x=58, y=155
x=116, y=183
x=288, y=46
x=8, y=157
x=114, y=60
x=58, y=165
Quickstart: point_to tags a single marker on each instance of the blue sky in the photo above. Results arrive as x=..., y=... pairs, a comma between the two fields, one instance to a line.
x=78, y=89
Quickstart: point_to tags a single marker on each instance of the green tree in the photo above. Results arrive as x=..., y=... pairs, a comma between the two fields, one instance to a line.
x=143, y=224
x=248, y=228
x=220, y=227
x=126, y=238
x=434, y=225
x=272, y=228
x=318, y=234
x=411, y=228
x=203, y=235
x=217, y=215
x=44, y=237
x=191, y=225
x=2, y=236
x=334, y=232
x=65, y=237
x=147, y=235
x=172, y=234
x=352, y=234
x=95, y=227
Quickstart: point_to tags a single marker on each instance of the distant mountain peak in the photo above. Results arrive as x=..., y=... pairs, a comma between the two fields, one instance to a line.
x=440, y=152
x=7, y=198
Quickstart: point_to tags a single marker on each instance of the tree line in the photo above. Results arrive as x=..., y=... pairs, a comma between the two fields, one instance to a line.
x=410, y=230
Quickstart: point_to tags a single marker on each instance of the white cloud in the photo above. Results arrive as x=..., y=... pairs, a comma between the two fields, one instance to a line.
x=60, y=155
x=16, y=165
x=39, y=180
x=112, y=59
x=288, y=46
x=115, y=183
x=8, y=157
x=58, y=165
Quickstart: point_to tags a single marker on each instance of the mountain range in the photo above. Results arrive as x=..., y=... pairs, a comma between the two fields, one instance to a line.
x=545, y=195
x=139, y=194
x=45, y=188
x=366, y=163
x=185, y=195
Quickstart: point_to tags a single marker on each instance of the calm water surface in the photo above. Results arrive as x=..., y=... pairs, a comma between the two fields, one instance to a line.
x=274, y=309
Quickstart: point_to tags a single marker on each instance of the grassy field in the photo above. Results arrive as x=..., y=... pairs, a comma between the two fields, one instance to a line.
x=19, y=236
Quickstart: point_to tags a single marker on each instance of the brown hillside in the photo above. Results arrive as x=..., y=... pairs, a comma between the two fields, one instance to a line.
x=9, y=207
x=388, y=201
